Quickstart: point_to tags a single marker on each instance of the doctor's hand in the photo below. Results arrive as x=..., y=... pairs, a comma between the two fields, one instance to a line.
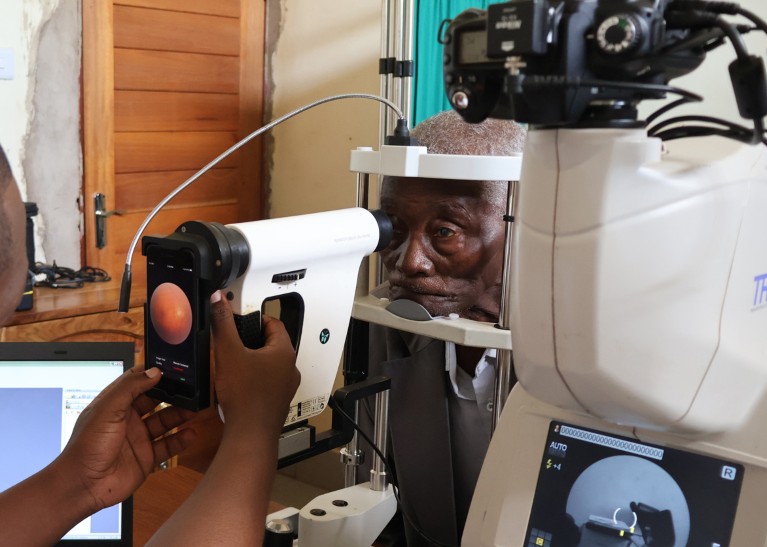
x=254, y=387
x=115, y=444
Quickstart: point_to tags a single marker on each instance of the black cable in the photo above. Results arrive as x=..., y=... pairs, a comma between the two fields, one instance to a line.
x=754, y=18
x=61, y=277
x=684, y=132
x=697, y=13
x=724, y=8
x=555, y=81
x=702, y=131
x=393, y=477
x=735, y=37
x=670, y=106
x=757, y=135
x=730, y=130
x=706, y=19
x=695, y=118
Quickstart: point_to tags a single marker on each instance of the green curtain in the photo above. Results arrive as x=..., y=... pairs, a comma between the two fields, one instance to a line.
x=428, y=91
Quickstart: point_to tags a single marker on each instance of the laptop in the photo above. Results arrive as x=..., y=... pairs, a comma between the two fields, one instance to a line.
x=43, y=388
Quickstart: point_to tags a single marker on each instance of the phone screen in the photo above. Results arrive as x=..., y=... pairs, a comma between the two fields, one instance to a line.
x=172, y=316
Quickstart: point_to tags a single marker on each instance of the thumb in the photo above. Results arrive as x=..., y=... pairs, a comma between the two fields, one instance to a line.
x=141, y=381
x=127, y=388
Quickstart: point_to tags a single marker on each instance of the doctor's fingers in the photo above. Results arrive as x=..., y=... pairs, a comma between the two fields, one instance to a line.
x=172, y=445
x=166, y=419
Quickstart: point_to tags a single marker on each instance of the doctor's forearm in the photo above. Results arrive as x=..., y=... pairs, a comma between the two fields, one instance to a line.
x=229, y=505
x=42, y=508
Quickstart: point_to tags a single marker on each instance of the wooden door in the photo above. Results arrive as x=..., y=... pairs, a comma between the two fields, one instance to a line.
x=167, y=86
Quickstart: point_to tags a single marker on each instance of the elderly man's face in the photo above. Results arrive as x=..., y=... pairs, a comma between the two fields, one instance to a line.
x=13, y=256
x=447, y=250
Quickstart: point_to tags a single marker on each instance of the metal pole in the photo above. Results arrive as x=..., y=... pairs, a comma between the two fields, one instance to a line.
x=395, y=39
x=378, y=472
x=504, y=373
x=383, y=70
x=363, y=200
x=351, y=455
x=406, y=96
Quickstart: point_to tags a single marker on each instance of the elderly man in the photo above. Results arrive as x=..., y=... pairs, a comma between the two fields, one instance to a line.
x=447, y=255
x=115, y=445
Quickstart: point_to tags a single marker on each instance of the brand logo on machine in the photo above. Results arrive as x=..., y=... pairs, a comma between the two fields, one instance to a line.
x=324, y=336
x=760, y=291
x=508, y=24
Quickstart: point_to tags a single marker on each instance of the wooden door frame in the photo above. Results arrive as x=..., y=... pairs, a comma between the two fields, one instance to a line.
x=252, y=51
x=98, y=112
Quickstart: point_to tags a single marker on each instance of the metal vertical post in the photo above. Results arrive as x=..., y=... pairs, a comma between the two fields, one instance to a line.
x=504, y=372
x=406, y=96
x=384, y=70
x=351, y=455
x=394, y=38
x=378, y=472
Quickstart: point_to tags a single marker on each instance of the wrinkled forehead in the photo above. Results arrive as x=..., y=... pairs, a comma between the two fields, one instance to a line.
x=395, y=188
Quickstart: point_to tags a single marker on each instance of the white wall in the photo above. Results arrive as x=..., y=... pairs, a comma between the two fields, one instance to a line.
x=318, y=49
x=40, y=129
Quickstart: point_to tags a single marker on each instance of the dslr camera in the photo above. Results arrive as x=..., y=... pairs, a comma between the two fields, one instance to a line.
x=564, y=62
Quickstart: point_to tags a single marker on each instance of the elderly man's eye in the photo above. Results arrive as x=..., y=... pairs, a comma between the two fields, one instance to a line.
x=444, y=232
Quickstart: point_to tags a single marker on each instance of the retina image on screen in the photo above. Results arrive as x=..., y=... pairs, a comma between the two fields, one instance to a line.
x=170, y=339
x=39, y=404
x=596, y=489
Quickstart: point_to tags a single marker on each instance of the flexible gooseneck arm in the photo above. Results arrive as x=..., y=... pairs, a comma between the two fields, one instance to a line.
x=125, y=284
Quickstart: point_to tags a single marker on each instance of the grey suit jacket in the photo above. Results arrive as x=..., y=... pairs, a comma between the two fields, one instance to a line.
x=419, y=430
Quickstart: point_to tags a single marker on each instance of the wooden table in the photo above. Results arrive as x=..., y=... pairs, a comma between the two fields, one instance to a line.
x=51, y=304
x=78, y=315
x=159, y=497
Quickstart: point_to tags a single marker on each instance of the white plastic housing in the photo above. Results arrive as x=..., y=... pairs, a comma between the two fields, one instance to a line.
x=414, y=161
x=330, y=247
x=638, y=277
x=357, y=521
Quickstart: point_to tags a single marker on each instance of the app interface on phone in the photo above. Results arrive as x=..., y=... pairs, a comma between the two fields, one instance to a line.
x=596, y=488
x=170, y=333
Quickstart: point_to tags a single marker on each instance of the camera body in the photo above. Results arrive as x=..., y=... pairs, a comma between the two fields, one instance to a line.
x=562, y=62
x=306, y=264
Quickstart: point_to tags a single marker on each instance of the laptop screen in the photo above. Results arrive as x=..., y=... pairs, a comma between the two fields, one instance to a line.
x=43, y=389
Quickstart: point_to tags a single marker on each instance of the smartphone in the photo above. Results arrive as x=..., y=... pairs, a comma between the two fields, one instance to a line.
x=177, y=326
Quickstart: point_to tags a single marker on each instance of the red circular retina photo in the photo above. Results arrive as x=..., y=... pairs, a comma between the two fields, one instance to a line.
x=171, y=313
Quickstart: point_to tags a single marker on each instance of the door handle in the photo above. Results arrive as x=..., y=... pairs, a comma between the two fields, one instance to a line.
x=99, y=201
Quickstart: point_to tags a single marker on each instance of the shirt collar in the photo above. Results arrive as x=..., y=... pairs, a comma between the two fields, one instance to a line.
x=481, y=385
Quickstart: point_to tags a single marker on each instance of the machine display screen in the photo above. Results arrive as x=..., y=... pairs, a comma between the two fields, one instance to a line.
x=473, y=47
x=597, y=489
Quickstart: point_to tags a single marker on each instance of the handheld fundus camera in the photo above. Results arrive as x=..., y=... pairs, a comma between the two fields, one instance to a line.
x=308, y=264
x=584, y=62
